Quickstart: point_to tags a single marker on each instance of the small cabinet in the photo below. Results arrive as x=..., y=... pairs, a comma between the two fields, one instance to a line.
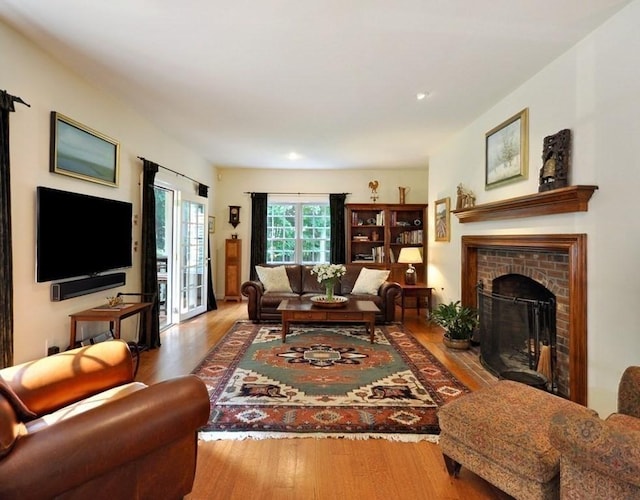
x=232, y=269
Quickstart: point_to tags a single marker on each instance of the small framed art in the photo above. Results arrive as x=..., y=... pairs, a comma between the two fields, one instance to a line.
x=78, y=151
x=212, y=224
x=507, y=151
x=441, y=210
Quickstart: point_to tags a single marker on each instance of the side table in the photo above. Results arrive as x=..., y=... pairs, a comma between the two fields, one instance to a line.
x=418, y=291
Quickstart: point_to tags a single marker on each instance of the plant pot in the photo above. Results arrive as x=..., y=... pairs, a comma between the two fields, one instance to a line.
x=461, y=344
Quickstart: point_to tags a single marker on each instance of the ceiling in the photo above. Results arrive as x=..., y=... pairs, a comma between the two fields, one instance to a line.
x=247, y=82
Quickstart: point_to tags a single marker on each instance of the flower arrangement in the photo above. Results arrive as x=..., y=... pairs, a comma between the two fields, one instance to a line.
x=328, y=275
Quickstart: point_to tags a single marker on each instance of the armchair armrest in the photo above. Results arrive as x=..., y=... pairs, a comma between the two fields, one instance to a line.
x=389, y=290
x=629, y=392
x=71, y=452
x=595, y=444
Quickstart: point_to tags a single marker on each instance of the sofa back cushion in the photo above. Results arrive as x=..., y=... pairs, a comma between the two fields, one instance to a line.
x=310, y=281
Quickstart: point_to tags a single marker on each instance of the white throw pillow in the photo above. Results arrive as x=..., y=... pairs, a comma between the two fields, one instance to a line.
x=274, y=279
x=369, y=281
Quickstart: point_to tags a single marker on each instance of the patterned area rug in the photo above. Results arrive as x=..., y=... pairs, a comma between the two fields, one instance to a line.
x=325, y=381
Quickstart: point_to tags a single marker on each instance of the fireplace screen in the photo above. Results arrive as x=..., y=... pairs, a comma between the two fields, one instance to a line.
x=518, y=334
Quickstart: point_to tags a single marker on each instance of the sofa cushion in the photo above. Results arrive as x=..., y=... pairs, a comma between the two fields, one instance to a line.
x=369, y=281
x=274, y=279
x=84, y=405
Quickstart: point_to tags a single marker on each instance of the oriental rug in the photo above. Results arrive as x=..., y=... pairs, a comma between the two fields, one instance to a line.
x=325, y=381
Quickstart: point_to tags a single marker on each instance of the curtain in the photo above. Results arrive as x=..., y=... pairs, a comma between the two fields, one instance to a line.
x=149, y=257
x=212, y=305
x=338, y=233
x=258, y=232
x=6, y=263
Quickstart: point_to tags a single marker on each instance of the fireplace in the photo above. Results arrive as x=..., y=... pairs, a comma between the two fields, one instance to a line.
x=548, y=269
x=517, y=331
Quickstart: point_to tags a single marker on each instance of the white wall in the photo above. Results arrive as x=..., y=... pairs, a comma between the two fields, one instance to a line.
x=47, y=86
x=592, y=90
x=233, y=184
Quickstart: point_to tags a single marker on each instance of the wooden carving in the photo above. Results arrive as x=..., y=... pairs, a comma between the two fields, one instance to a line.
x=556, y=161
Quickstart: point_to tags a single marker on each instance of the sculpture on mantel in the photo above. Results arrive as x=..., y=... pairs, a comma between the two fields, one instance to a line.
x=465, y=198
x=556, y=160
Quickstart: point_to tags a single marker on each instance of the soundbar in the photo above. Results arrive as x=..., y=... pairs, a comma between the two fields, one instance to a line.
x=75, y=288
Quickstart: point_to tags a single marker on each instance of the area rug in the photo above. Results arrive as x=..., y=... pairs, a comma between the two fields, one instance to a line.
x=325, y=381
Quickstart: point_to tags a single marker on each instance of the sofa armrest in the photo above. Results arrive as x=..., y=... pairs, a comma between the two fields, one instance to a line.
x=253, y=290
x=388, y=291
x=75, y=450
x=594, y=444
x=629, y=392
x=47, y=384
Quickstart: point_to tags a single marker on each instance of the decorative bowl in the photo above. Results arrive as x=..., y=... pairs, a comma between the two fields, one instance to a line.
x=322, y=301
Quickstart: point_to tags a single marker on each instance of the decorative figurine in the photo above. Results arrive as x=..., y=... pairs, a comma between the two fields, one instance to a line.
x=373, y=185
x=556, y=160
x=466, y=198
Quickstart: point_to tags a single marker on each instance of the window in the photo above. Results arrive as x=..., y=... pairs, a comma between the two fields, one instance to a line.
x=298, y=233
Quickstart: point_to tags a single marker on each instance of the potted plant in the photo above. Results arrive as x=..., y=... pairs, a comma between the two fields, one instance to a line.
x=459, y=323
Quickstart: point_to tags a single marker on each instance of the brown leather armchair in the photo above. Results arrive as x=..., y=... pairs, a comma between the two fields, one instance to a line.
x=76, y=425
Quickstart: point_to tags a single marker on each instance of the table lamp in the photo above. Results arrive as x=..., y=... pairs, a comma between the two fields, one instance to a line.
x=410, y=255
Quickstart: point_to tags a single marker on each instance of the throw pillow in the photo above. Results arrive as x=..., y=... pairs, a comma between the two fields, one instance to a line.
x=369, y=281
x=274, y=279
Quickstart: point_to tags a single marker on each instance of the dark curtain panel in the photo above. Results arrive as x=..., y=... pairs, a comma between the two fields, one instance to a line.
x=212, y=305
x=338, y=233
x=6, y=263
x=258, y=232
x=149, y=258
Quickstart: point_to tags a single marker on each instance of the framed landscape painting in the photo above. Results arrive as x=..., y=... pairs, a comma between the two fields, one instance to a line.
x=442, y=222
x=78, y=151
x=507, y=151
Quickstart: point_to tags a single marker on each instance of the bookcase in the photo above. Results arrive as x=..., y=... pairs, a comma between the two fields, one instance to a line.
x=376, y=232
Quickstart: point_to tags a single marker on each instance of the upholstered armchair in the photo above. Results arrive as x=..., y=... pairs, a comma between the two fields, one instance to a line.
x=601, y=458
x=76, y=425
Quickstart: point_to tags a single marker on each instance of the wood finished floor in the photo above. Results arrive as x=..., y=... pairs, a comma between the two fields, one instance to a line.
x=314, y=469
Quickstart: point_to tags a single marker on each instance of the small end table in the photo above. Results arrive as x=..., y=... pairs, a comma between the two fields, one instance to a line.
x=418, y=291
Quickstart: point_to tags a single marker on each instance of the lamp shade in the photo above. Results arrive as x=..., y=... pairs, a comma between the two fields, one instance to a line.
x=410, y=255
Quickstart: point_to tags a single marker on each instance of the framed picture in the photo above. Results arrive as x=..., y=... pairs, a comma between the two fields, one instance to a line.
x=442, y=223
x=78, y=151
x=507, y=151
x=212, y=224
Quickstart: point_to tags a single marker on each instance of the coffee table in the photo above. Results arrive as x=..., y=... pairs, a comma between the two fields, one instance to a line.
x=356, y=311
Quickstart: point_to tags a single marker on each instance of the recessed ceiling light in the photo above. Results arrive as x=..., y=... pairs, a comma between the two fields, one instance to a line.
x=422, y=95
x=294, y=156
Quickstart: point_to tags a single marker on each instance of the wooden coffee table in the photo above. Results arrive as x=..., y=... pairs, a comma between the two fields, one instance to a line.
x=356, y=311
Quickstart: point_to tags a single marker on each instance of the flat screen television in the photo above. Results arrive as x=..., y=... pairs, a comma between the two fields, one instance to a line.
x=80, y=235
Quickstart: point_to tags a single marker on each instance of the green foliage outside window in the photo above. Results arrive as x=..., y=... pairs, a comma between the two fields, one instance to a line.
x=298, y=233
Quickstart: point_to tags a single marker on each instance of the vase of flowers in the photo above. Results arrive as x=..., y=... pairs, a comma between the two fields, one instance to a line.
x=328, y=275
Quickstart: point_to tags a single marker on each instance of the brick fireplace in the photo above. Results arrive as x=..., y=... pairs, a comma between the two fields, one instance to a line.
x=558, y=263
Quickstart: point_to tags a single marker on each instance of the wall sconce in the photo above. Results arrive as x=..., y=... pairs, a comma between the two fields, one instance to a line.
x=234, y=215
x=410, y=255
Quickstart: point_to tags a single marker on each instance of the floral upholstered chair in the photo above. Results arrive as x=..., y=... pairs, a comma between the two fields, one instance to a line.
x=601, y=458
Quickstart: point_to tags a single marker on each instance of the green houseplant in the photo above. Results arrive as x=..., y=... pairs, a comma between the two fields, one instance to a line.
x=459, y=323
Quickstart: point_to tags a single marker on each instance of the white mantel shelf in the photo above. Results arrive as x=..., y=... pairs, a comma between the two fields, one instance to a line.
x=556, y=201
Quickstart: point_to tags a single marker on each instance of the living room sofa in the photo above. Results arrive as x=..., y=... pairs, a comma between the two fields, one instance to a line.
x=77, y=425
x=263, y=305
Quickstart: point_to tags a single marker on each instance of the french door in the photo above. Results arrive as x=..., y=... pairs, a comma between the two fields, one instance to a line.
x=181, y=240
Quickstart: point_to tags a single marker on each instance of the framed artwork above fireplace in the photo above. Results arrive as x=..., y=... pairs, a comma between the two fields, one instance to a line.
x=507, y=151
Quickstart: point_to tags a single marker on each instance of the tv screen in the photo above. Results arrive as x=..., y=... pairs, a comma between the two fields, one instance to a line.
x=80, y=235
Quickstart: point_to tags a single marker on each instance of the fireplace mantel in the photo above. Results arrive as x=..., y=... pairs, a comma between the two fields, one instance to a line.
x=557, y=201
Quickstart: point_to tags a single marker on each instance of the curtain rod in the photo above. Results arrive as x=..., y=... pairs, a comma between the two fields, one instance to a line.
x=253, y=192
x=170, y=170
